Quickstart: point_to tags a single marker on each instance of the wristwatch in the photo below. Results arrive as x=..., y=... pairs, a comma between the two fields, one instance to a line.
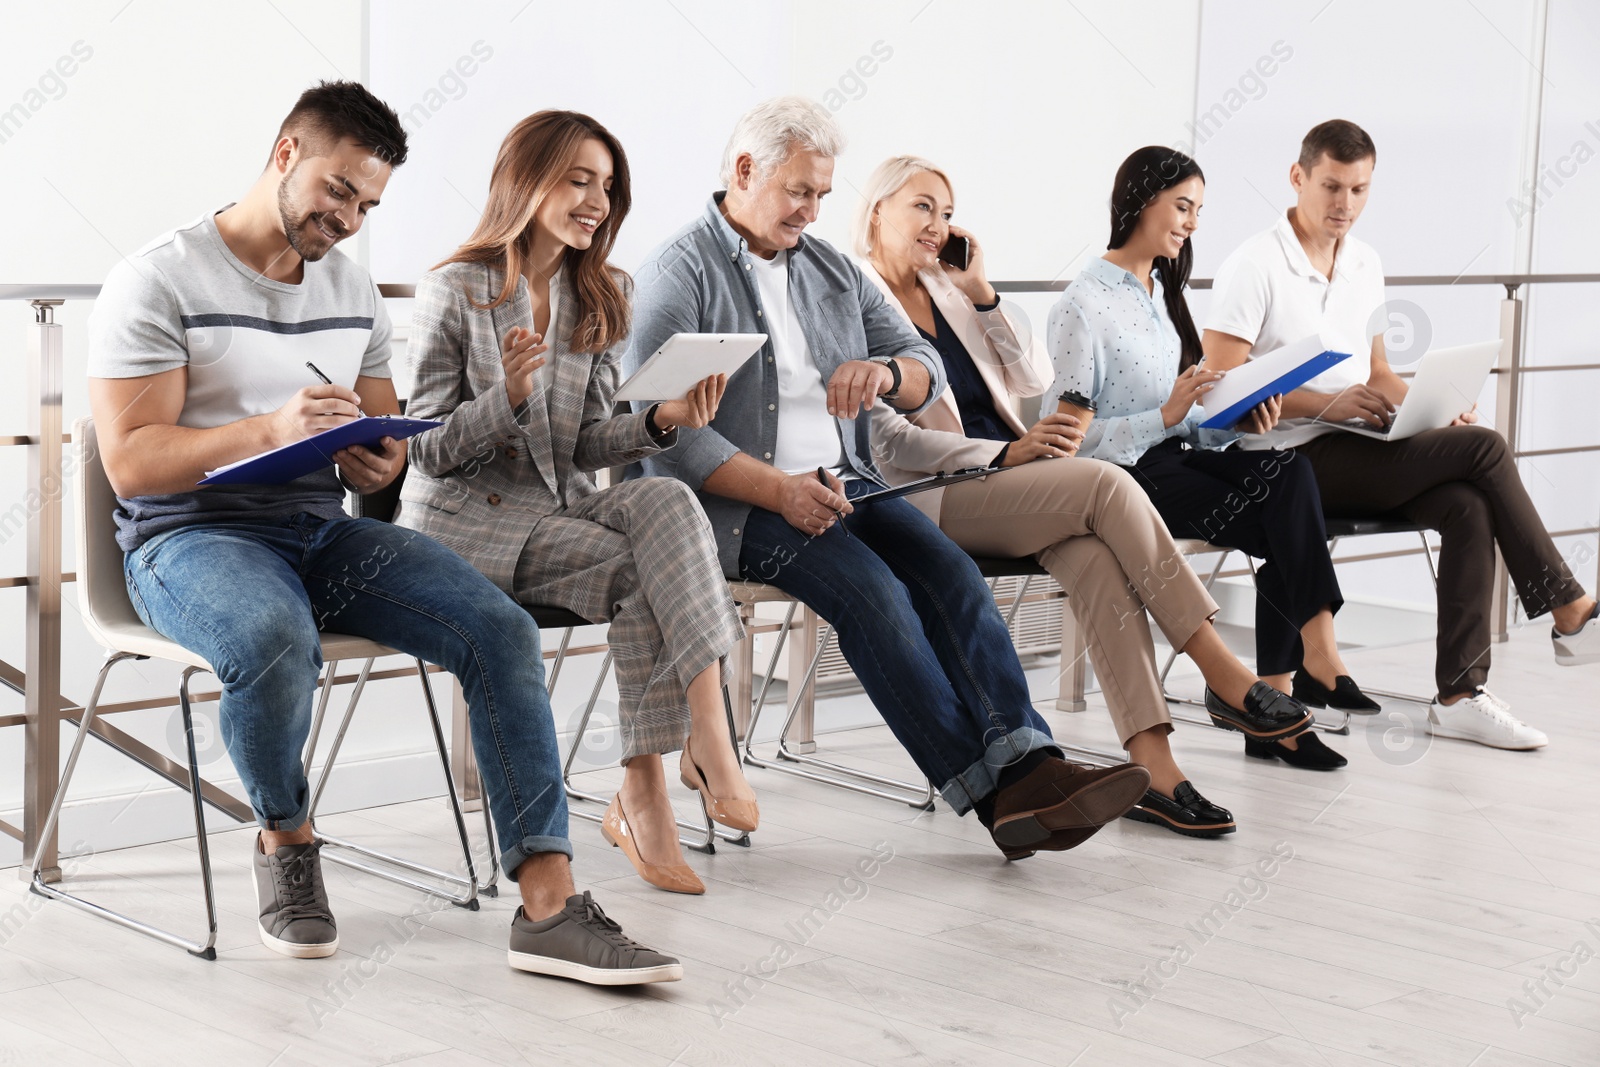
x=894, y=368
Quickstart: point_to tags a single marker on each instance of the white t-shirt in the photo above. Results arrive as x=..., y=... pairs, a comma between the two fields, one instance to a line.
x=1269, y=294
x=808, y=437
x=185, y=300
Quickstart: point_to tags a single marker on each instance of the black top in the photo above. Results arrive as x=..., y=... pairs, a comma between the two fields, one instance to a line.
x=973, y=399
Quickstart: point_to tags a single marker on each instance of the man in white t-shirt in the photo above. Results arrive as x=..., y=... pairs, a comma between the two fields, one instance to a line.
x=1307, y=275
x=205, y=348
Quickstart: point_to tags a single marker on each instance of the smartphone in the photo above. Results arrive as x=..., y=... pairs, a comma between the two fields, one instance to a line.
x=956, y=251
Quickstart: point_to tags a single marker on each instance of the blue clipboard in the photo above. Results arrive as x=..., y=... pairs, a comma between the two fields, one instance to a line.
x=312, y=454
x=1284, y=383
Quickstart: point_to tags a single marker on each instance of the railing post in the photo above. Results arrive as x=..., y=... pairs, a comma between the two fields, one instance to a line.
x=42, y=701
x=1508, y=407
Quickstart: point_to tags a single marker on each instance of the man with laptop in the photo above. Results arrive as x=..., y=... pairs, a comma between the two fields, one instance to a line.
x=1307, y=275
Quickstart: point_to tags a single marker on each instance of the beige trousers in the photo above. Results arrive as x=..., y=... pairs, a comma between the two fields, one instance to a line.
x=1094, y=529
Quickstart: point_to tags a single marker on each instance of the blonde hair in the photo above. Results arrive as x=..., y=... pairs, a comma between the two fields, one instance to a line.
x=889, y=177
x=770, y=131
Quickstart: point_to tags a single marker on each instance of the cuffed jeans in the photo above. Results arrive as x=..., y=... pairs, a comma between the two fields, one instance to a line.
x=919, y=627
x=251, y=598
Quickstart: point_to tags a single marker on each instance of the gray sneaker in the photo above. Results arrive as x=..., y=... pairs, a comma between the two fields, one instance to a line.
x=580, y=942
x=295, y=919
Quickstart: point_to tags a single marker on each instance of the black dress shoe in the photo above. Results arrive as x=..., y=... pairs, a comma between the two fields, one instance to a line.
x=1345, y=694
x=1309, y=752
x=1187, y=813
x=1267, y=713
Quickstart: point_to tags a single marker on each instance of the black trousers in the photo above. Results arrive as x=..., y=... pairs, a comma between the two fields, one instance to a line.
x=1266, y=504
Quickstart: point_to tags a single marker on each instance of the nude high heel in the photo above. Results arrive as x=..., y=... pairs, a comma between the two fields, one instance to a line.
x=734, y=814
x=674, y=878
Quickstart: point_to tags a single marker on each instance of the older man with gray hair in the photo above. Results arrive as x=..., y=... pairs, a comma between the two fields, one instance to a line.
x=778, y=468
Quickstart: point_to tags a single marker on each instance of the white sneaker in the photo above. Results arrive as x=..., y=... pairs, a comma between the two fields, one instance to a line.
x=1581, y=647
x=1486, y=719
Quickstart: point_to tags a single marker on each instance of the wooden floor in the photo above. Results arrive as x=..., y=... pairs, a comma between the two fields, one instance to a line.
x=1429, y=885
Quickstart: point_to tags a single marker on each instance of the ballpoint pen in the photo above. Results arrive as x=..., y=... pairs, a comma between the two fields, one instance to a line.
x=329, y=381
x=822, y=476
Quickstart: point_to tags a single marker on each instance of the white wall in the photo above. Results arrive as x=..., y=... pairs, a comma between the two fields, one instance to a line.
x=1030, y=105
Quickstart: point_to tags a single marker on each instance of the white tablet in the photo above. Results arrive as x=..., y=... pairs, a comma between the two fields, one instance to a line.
x=685, y=359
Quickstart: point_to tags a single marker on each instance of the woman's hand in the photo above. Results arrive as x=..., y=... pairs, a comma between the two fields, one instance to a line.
x=696, y=408
x=521, y=353
x=974, y=281
x=1190, y=389
x=1054, y=435
x=1262, y=417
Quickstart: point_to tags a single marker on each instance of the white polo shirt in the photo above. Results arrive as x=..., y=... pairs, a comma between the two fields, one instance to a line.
x=1268, y=293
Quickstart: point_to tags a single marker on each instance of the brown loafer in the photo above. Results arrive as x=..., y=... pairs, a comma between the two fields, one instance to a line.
x=1062, y=796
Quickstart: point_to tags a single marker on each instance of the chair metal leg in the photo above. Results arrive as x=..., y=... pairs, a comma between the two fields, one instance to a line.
x=1016, y=601
x=919, y=797
x=700, y=838
x=490, y=888
x=350, y=854
x=330, y=671
x=204, y=949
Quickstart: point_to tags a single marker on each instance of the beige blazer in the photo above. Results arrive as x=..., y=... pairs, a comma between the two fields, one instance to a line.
x=1012, y=364
x=481, y=482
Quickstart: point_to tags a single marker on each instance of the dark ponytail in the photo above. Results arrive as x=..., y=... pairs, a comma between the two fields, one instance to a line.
x=1142, y=176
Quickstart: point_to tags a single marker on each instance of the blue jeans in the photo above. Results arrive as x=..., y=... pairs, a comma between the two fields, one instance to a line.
x=251, y=598
x=919, y=627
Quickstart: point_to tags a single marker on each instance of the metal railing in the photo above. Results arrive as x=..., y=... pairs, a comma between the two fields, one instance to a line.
x=39, y=680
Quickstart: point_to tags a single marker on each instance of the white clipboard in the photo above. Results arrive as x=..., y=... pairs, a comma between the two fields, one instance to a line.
x=686, y=358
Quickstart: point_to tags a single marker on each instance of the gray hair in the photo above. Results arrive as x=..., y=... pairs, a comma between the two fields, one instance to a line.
x=771, y=130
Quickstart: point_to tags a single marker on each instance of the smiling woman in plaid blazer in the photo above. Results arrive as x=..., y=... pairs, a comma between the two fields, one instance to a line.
x=506, y=483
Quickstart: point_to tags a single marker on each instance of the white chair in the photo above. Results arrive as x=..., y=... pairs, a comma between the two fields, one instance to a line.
x=109, y=617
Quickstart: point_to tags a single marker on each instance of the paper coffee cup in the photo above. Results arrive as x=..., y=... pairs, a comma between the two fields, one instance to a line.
x=1077, y=405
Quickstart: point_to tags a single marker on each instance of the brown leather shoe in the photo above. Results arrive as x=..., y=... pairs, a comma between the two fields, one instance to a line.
x=1059, y=841
x=1061, y=796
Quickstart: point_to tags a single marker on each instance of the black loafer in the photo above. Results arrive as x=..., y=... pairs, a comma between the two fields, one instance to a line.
x=1187, y=813
x=1267, y=714
x=1345, y=694
x=1309, y=752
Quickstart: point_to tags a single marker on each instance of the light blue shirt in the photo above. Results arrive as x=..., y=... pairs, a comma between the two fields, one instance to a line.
x=1111, y=340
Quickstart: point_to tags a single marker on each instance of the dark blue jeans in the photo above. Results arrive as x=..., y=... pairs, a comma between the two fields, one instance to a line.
x=251, y=600
x=919, y=627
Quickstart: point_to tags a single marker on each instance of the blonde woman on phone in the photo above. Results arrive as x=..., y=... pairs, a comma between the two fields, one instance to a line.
x=1088, y=523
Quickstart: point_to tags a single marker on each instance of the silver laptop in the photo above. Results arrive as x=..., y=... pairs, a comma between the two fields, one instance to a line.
x=1447, y=383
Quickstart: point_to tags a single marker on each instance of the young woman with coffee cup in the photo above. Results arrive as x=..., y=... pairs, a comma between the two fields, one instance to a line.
x=1088, y=523
x=1122, y=334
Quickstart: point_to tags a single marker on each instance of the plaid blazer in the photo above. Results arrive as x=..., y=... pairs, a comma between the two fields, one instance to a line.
x=481, y=482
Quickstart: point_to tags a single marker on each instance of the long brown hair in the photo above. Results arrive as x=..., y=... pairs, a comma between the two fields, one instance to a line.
x=536, y=155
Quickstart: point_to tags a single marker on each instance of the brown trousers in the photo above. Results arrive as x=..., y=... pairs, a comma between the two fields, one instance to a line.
x=1463, y=482
x=1097, y=533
